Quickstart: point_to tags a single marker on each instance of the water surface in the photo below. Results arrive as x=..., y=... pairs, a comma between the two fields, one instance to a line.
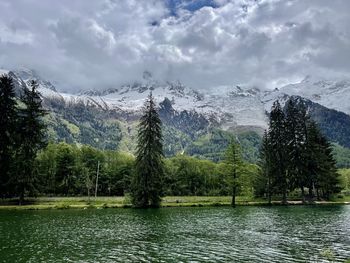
x=243, y=234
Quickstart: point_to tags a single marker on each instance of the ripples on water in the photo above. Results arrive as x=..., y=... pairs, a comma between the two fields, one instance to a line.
x=243, y=234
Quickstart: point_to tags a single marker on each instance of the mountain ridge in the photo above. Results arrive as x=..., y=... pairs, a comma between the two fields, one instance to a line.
x=107, y=119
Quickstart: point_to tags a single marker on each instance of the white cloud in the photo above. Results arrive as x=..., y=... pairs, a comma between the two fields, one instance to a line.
x=94, y=44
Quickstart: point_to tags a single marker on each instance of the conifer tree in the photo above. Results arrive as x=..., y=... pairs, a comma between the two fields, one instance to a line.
x=326, y=178
x=296, y=137
x=8, y=116
x=31, y=129
x=233, y=159
x=313, y=155
x=328, y=181
x=277, y=134
x=147, y=182
x=265, y=163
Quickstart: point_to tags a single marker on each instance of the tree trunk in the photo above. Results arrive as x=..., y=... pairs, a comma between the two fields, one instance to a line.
x=269, y=192
x=269, y=198
x=233, y=201
x=311, y=192
x=284, y=197
x=284, y=193
x=21, y=197
x=302, y=194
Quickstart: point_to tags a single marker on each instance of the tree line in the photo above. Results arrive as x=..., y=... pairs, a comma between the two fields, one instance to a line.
x=69, y=170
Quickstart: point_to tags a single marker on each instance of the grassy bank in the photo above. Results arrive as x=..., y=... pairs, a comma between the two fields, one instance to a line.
x=120, y=202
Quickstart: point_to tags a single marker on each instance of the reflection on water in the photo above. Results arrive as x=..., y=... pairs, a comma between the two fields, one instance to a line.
x=243, y=234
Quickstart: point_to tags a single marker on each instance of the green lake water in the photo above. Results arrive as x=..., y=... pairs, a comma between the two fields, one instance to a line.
x=216, y=234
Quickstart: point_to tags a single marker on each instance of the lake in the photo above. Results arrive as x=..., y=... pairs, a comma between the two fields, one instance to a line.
x=213, y=234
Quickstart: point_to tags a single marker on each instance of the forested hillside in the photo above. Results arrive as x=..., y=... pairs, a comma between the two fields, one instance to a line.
x=184, y=132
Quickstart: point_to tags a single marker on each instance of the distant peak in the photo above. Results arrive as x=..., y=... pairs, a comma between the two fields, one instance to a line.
x=26, y=73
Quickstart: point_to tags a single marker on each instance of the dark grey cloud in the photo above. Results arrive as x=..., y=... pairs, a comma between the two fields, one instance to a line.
x=96, y=44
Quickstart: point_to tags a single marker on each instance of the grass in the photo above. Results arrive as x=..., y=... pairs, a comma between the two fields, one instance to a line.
x=120, y=202
x=341, y=198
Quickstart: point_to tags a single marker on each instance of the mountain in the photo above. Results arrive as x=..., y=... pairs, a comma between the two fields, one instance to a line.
x=196, y=122
x=333, y=94
x=225, y=107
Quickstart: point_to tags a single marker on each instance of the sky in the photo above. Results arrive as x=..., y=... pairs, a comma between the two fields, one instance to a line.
x=98, y=44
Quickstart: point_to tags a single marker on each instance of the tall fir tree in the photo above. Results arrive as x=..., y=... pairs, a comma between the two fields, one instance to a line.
x=296, y=137
x=328, y=181
x=8, y=117
x=265, y=163
x=277, y=134
x=315, y=156
x=147, y=182
x=234, y=162
x=323, y=178
x=31, y=129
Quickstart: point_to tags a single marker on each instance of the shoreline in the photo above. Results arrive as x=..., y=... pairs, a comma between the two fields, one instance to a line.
x=60, y=203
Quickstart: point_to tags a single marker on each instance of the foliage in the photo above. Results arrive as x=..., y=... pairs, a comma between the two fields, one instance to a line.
x=147, y=181
x=22, y=136
x=341, y=155
x=8, y=117
x=295, y=154
x=345, y=179
x=80, y=123
x=31, y=134
x=234, y=166
x=212, y=146
x=64, y=169
x=68, y=170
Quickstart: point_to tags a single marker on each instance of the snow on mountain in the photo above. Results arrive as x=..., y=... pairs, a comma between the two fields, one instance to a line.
x=229, y=106
x=46, y=88
x=333, y=94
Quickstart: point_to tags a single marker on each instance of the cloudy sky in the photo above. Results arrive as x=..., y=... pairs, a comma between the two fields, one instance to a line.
x=95, y=44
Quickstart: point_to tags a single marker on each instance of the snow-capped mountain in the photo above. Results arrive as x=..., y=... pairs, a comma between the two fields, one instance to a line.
x=333, y=94
x=21, y=78
x=228, y=107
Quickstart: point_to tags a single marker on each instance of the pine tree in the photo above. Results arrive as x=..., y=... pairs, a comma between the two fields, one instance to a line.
x=313, y=155
x=329, y=181
x=296, y=137
x=233, y=159
x=323, y=176
x=265, y=162
x=31, y=130
x=8, y=116
x=147, y=182
x=277, y=134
